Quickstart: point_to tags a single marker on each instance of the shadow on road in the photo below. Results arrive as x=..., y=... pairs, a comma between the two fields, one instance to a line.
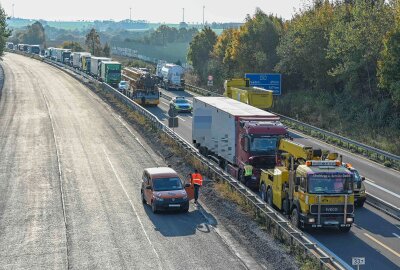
x=177, y=93
x=175, y=224
x=374, y=223
x=348, y=245
x=157, y=111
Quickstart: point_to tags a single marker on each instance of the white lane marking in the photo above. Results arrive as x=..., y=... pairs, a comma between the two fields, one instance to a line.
x=60, y=176
x=119, y=118
x=395, y=234
x=382, y=245
x=164, y=103
x=182, y=119
x=134, y=208
x=370, y=180
x=190, y=116
x=383, y=189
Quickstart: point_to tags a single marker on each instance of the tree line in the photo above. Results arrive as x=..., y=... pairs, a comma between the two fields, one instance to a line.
x=340, y=62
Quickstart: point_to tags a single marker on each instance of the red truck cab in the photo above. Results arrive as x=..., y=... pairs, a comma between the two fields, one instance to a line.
x=257, y=146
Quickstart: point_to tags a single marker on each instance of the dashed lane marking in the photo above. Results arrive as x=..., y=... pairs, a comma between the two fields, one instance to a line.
x=382, y=245
x=395, y=234
x=134, y=208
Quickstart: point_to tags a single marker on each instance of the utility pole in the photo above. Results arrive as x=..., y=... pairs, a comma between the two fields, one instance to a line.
x=183, y=15
x=203, y=14
x=130, y=14
x=13, y=9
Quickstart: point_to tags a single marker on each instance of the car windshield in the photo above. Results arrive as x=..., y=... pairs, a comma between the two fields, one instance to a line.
x=263, y=144
x=164, y=184
x=122, y=82
x=330, y=183
x=181, y=101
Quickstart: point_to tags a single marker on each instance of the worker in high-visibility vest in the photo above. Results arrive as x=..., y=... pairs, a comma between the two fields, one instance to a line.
x=197, y=181
x=248, y=170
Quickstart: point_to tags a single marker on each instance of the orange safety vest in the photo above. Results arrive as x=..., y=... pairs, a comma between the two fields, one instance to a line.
x=197, y=179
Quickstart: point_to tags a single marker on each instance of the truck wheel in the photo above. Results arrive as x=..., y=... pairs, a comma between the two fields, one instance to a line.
x=222, y=164
x=263, y=192
x=344, y=229
x=294, y=218
x=269, y=197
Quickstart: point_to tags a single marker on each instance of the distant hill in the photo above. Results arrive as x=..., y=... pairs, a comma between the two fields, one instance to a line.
x=16, y=23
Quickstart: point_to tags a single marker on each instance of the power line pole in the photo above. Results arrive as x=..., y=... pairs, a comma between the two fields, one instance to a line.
x=130, y=14
x=203, y=14
x=13, y=9
x=183, y=15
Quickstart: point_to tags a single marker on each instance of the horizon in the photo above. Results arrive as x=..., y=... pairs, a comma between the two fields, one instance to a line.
x=169, y=13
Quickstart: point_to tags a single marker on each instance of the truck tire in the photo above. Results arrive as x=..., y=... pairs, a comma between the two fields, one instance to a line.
x=294, y=218
x=344, y=229
x=263, y=191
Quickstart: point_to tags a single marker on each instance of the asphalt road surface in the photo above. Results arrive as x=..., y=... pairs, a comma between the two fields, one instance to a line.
x=375, y=236
x=70, y=172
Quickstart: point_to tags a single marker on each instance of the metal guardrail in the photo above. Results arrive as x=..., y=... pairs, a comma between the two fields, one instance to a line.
x=199, y=90
x=294, y=235
x=365, y=150
x=381, y=205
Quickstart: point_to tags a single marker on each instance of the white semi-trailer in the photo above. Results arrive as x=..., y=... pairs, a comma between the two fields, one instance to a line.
x=236, y=134
x=95, y=64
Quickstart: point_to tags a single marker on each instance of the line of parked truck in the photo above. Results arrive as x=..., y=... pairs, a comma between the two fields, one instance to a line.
x=168, y=76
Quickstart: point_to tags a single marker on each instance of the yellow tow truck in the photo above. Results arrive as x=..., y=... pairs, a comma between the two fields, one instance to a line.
x=310, y=186
x=240, y=90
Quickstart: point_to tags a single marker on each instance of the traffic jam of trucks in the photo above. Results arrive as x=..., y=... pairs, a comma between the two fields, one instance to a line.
x=314, y=188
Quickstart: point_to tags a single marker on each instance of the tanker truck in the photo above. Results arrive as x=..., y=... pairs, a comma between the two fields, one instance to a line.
x=172, y=77
x=242, y=139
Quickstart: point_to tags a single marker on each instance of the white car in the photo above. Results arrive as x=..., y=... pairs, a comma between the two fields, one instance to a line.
x=122, y=86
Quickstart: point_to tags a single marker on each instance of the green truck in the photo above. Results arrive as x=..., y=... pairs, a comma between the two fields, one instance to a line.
x=110, y=72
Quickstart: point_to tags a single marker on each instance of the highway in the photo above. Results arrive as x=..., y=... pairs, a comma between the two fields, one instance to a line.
x=375, y=235
x=70, y=173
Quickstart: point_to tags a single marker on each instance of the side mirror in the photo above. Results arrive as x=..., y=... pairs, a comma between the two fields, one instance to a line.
x=148, y=187
x=187, y=185
x=362, y=178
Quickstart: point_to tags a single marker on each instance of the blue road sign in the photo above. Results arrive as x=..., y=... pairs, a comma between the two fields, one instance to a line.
x=269, y=81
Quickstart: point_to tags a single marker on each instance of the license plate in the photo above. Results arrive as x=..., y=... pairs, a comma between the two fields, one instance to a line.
x=174, y=205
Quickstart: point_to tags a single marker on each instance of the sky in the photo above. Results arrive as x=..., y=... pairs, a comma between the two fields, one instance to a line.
x=168, y=11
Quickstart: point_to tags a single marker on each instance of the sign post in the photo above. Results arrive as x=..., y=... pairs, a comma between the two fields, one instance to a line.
x=269, y=81
x=358, y=261
x=210, y=81
x=173, y=119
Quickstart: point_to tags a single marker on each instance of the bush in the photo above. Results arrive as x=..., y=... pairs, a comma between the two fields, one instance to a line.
x=388, y=164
